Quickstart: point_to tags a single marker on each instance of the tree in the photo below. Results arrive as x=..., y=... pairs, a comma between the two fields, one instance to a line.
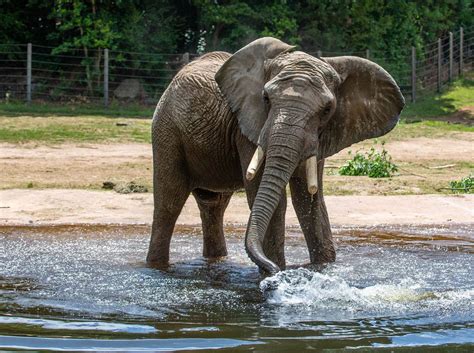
x=88, y=26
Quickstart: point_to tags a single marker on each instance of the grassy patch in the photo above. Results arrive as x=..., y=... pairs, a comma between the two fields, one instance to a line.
x=460, y=94
x=64, y=109
x=53, y=130
x=60, y=129
x=426, y=128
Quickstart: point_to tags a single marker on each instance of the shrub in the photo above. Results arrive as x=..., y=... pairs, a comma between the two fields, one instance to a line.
x=373, y=163
x=465, y=185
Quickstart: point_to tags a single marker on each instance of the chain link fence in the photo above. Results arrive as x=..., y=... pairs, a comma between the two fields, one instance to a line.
x=36, y=73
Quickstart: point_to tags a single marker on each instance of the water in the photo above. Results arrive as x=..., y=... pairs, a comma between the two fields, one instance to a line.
x=87, y=288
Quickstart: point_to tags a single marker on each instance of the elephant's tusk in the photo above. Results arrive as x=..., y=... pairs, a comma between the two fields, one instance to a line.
x=312, y=174
x=255, y=163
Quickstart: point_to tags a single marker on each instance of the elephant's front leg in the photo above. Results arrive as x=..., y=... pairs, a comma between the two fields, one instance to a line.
x=313, y=217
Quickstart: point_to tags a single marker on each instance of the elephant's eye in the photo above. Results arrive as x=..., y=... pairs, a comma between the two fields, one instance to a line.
x=327, y=109
x=265, y=97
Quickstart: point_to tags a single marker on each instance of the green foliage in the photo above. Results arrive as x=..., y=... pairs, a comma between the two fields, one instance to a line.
x=465, y=185
x=373, y=164
x=387, y=28
x=77, y=27
x=231, y=24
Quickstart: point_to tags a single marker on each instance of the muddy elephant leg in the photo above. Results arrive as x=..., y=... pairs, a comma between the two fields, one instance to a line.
x=313, y=218
x=170, y=191
x=212, y=206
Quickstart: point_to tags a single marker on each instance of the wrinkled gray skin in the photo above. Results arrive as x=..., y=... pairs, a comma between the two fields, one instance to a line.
x=209, y=120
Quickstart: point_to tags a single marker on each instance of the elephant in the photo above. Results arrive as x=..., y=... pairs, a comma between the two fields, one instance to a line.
x=260, y=119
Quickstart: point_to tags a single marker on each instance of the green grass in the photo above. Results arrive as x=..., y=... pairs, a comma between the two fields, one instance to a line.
x=59, y=129
x=460, y=94
x=56, y=109
x=23, y=129
x=426, y=128
x=57, y=123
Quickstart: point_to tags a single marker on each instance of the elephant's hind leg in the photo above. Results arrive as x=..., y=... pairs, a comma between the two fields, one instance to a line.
x=164, y=219
x=170, y=194
x=212, y=206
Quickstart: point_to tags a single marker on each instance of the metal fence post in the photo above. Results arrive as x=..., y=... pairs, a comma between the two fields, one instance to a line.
x=439, y=64
x=461, y=50
x=29, y=54
x=106, y=77
x=367, y=54
x=319, y=53
x=450, y=56
x=413, y=74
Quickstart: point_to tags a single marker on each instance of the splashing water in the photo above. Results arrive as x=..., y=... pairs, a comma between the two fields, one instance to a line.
x=320, y=291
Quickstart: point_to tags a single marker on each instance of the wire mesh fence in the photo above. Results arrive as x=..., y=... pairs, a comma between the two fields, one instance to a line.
x=36, y=73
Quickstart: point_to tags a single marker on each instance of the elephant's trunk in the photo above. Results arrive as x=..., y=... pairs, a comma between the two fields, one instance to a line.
x=285, y=146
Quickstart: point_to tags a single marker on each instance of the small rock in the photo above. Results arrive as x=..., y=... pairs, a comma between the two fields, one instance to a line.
x=108, y=185
x=130, y=88
x=130, y=187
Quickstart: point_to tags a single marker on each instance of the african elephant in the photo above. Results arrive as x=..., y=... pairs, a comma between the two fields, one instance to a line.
x=261, y=118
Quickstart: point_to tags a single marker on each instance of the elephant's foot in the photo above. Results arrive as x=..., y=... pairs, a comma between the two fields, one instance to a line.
x=321, y=252
x=159, y=265
x=211, y=251
x=158, y=256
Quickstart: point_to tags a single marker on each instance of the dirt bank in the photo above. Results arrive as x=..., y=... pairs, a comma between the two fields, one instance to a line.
x=87, y=166
x=53, y=206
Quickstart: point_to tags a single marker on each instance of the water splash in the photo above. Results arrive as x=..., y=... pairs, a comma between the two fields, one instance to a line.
x=316, y=291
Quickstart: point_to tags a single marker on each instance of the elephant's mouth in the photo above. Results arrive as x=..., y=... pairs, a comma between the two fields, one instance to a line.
x=310, y=165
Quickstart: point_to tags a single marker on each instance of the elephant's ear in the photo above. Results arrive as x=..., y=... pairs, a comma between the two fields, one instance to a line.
x=369, y=103
x=241, y=80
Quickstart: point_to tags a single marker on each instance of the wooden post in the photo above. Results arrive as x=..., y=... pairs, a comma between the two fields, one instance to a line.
x=319, y=54
x=106, y=77
x=440, y=53
x=461, y=51
x=367, y=54
x=450, y=56
x=413, y=74
x=29, y=55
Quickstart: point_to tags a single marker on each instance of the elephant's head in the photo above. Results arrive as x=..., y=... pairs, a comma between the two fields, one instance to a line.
x=299, y=108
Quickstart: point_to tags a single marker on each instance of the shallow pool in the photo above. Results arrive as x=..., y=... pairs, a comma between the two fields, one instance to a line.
x=87, y=288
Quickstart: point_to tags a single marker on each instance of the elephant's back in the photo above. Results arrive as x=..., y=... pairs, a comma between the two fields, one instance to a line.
x=200, y=72
x=193, y=98
x=192, y=87
x=203, y=123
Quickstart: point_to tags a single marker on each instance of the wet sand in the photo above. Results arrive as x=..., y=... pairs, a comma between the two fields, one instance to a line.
x=61, y=206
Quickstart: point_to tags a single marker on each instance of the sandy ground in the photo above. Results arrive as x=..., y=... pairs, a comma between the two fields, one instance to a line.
x=53, y=206
x=66, y=169
x=87, y=166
